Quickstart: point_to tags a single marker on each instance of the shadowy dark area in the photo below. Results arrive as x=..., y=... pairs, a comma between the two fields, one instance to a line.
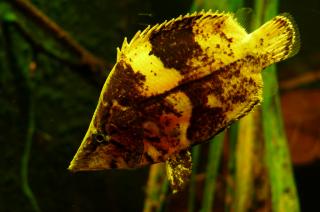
x=59, y=97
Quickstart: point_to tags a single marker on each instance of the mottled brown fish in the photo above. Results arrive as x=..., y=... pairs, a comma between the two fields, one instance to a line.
x=178, y=84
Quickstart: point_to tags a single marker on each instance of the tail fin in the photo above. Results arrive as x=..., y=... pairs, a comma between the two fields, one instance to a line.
x=276, y=40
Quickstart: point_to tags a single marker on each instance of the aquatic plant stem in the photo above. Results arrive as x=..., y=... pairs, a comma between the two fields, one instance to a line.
x=39, y=47
x=283, y=191
x=26, y=103
x=284, y=194
x=192, y=186
x=230, y=177
x=95, y=64
x=36, y=45
x=157, y=187
x=26, y=156
x=214, y=156
x=244, y=162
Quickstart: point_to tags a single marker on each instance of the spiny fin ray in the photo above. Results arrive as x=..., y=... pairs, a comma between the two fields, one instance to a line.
x=141, y=36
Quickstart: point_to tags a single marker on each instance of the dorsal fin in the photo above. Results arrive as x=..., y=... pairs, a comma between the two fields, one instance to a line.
x=142, y=36
x=182, y=49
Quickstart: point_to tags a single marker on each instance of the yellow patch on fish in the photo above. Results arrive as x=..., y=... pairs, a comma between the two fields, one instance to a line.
x=178, y=84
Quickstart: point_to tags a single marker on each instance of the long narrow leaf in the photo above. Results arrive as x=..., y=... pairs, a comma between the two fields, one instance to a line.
x=244, y=162
x=283, y=190
x=214, y=156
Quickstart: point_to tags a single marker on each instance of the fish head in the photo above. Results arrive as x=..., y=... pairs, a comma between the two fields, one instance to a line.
x=113, y=140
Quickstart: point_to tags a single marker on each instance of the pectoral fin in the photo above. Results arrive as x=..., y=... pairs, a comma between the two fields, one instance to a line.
x=179, y=168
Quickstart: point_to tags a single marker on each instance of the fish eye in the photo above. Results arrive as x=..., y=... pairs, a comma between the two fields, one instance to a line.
x=99, y=138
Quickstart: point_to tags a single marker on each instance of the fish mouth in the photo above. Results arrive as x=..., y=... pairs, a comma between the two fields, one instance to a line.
x=77, y=166
x=93, y=155
x=85, y=160
x=96, y=162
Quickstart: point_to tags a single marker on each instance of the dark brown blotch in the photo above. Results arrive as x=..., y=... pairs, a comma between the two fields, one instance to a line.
x=174, y=44
x=124, y=128
x=208, y=121
x=124, y=85
x=239, y=96
x=205, y=123
x=153, y=139
x=122, y=119
x=204, y=120
x=101, y=116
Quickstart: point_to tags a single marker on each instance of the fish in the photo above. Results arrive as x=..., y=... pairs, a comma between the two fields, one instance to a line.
x=178, y=84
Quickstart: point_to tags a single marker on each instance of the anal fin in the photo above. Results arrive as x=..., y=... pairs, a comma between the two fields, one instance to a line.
x=179, y=169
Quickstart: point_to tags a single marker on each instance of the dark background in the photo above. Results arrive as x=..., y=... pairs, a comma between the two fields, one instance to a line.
x=64, y=102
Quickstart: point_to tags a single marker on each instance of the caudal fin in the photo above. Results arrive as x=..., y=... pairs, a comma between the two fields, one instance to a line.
x=276, y=40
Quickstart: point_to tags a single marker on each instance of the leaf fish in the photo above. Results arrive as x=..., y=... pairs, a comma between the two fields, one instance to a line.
x=178, y=84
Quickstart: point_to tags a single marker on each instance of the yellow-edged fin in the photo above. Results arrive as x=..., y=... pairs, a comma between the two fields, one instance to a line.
x=179, y=169
x=276, y=40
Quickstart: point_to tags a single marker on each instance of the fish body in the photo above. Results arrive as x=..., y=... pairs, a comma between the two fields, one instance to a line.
x=178, y=84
